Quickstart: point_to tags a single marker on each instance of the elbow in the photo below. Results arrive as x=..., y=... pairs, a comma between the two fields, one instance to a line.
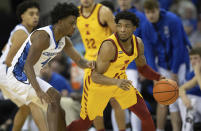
x=26, y=66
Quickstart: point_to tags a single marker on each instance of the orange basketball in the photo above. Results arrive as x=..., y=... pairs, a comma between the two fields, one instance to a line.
x=166, y=91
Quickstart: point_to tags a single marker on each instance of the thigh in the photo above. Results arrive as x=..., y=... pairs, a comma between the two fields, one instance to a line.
x=94, y=102
x=126, y=98
x=174, y=107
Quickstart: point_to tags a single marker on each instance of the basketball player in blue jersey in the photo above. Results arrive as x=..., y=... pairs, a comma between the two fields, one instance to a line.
x=39, y=48
x=28, y=15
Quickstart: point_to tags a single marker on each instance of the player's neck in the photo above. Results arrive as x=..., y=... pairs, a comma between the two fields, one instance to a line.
x=29, y=28
x=88, y=10
x=126, y=43
x=58, y=34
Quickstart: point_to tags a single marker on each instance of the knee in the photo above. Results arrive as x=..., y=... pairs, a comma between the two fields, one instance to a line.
x=25, y=109
x=53, y=93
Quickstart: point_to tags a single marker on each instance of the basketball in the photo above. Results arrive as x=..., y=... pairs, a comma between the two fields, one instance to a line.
x=166, y=91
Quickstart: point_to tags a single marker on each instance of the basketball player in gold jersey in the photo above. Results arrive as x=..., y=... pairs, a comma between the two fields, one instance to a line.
x=109, y=79
x=96, y=23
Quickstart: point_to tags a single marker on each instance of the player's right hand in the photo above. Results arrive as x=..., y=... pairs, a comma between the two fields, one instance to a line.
x=124, y=84
x=187, y=103
x=43, y=97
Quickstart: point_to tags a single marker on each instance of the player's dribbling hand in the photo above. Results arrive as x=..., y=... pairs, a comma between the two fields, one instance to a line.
x=91, y=64
x=44, y=97
x=124, y=84
x=162, y=77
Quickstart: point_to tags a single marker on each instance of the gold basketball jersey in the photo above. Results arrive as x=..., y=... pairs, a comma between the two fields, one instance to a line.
x=118, y=66
x=92, y=32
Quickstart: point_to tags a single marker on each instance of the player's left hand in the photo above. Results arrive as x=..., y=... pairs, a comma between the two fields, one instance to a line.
x=91, y=64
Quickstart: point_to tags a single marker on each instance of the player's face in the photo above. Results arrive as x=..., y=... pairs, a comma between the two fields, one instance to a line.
x=87, y=3
x=124, y=4
x=31, y=17
x=152, y=15
x=68, y=25
x=125, y=29
x=195, y=59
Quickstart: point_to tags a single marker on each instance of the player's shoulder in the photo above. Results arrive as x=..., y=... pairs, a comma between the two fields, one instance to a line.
x=104, y=9
x=41, y=35
x=108, y=45
x=20, y=32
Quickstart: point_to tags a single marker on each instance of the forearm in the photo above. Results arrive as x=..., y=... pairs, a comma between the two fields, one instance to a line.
x=82, y=63
x=31, y=77
x=101, y=79
x=148, y=73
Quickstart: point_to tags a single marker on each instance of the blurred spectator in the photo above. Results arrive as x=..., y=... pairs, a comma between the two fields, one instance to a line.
x=165, y=4
x=195, y=38
x=55, y=79
x=190, y=93
x=165, y=45
x=108, y=4
x=61, y=65
x=188, y=13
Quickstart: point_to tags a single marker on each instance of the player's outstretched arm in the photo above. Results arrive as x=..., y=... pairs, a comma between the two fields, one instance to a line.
x=75, y=56
x=142, y=66
x=106, y=55
x=40, y=41
x=17, y=40
x=107, y=17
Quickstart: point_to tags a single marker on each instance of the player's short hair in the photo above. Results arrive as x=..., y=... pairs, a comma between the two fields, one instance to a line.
x=126, y=15
x=62, y=10
x=195, y=51
x=22, y=7
x=151, y=4
x=108, y=4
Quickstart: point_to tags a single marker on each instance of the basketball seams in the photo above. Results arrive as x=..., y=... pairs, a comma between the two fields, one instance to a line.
x=170, y=90
x=174, y=88
x=166, y=82
x=171, y=97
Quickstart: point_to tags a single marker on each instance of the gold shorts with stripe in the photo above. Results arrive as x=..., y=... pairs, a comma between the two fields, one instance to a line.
x=95, y=98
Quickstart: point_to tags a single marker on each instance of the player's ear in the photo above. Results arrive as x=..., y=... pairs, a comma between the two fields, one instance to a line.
x=22, y=16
